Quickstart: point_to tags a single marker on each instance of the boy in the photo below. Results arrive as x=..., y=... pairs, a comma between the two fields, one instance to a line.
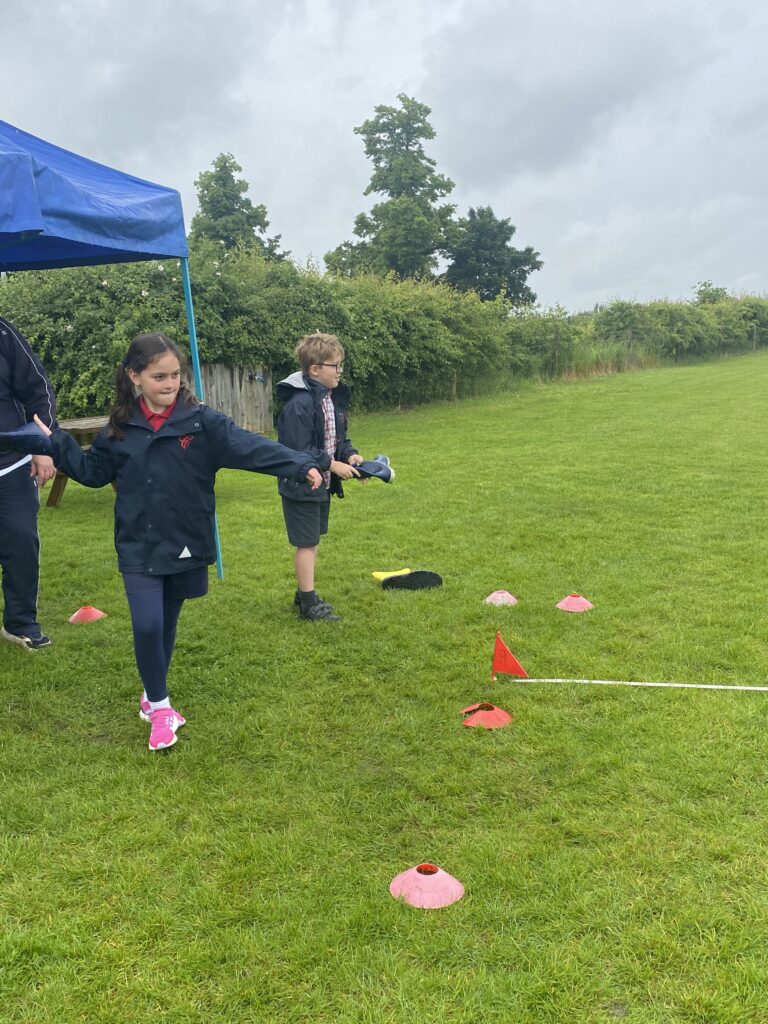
x=314, y=420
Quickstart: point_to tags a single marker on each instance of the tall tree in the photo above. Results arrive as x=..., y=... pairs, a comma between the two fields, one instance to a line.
x=707, y=293
x=482, y=258
x=226, y=213
x=406, y=232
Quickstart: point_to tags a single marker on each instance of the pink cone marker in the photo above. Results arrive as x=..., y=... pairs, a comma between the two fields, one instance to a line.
x=574, y=603
x=87, y=614
x=500, y=597
x=487, y=715
x=426, y=886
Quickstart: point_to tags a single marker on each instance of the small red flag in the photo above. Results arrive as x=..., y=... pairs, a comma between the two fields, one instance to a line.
x=505, y=661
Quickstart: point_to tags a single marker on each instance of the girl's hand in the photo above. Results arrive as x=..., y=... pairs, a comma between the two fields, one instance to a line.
x=356, y=459
x=314, y=478
x=42, y=426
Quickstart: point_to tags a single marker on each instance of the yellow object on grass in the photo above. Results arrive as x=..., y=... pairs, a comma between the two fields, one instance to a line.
x=386, y=575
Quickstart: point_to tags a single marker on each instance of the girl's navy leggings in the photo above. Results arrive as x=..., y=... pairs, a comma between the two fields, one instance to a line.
x=154, y=615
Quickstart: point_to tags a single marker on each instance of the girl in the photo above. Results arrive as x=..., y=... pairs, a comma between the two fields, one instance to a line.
x=162, y=448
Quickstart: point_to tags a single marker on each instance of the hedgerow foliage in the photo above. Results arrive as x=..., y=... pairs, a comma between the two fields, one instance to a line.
x=407, y=342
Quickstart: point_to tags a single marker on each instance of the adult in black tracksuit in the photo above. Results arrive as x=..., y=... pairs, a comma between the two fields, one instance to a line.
x=25, y=391
x=162, y=449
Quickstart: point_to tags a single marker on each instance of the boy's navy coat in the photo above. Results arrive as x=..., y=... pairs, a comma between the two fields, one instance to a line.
x=24, y=387
x=302, y=426
x=165, y=481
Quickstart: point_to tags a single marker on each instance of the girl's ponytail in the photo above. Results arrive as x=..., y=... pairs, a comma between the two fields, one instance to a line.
x=125, y=401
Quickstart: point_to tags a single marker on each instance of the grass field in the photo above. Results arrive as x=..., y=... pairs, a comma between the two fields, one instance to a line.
x=612, y=841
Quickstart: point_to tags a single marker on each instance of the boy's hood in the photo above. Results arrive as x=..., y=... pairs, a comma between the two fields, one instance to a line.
x=290, y=384
x=295, y=382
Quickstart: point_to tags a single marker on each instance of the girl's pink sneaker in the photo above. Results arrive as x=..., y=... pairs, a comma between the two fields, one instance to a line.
x=145, y=709
x=164, y=722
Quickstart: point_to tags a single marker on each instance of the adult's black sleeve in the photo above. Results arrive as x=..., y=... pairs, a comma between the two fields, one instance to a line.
x=29, y=382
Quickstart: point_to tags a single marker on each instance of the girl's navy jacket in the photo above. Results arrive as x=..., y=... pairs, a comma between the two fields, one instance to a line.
x=165, y=481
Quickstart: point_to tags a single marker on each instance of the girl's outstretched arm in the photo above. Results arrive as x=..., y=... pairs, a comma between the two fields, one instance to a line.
x=244, y=449
x=93, y=468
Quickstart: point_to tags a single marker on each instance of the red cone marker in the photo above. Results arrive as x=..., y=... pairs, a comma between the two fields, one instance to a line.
x=87, y=614
x=574, y=603
x=500, y=597
x=487, y=715
x=504, y=661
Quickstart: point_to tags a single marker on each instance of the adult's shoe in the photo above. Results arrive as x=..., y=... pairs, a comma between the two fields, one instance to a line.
x=32, y=641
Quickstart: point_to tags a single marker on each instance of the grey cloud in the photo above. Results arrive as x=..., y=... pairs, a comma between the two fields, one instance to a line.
x=537, y=92
x=126, y=83
x=626, y=142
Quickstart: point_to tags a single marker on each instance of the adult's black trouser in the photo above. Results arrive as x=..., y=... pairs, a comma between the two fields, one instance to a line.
x=19, y=550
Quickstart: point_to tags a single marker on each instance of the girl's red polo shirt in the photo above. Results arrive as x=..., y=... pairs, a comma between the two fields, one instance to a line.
x=155, y=419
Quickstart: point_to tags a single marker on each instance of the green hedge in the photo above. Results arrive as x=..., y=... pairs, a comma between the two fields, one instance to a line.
x=407, y=342
x=624, y=335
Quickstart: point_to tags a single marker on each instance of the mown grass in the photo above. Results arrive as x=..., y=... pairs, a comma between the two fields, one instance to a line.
x=612, y=841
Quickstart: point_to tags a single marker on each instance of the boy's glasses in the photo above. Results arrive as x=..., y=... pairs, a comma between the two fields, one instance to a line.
x=339, y=367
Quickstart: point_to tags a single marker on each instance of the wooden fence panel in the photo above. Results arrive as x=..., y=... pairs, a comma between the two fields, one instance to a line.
x=244, y=393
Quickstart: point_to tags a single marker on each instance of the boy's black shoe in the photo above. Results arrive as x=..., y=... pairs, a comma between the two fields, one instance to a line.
x=321, y=600
x=33, y=642
x=317, y=612
x=419, y=579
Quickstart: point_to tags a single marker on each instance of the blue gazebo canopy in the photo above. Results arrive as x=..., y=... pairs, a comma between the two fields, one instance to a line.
x=58, y=209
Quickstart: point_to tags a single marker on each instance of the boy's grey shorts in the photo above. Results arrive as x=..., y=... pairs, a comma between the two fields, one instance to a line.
x=306, y=521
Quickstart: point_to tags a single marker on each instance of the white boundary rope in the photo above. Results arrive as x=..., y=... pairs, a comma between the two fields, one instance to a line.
x=620, y=682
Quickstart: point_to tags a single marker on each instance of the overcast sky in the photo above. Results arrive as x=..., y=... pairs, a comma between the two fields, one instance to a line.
x=628, y=142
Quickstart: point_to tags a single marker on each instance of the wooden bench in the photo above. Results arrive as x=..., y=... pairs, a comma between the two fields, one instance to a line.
x=85, y=432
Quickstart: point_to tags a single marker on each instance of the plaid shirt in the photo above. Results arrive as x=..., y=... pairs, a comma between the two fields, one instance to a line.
x=329, y=436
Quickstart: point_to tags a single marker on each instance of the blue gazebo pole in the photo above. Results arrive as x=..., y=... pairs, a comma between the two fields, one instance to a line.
x=199, y=389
